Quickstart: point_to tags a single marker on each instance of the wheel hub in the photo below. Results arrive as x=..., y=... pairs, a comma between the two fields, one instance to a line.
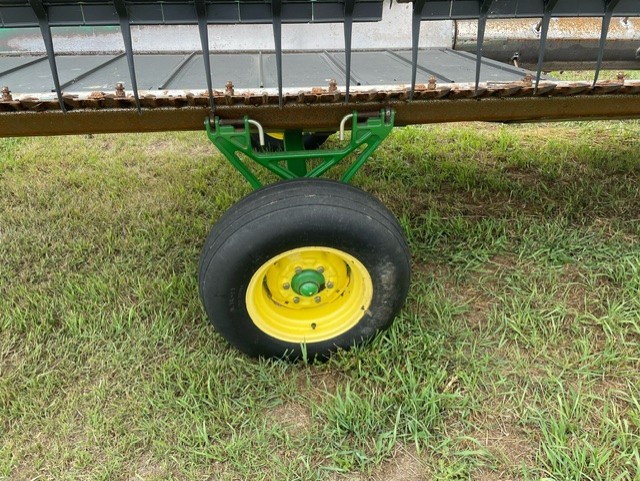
x=307, y=283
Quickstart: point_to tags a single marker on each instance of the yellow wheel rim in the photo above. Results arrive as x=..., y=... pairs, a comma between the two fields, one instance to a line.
x=310, y=294
x=276, y=135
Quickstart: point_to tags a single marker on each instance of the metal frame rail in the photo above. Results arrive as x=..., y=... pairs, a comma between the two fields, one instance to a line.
x=46, y=14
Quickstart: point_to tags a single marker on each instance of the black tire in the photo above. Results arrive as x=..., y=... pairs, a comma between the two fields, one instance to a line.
x=310, y=141
x=293, y=215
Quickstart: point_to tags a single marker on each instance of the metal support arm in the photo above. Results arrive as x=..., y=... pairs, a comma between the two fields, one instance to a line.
x=366, y=135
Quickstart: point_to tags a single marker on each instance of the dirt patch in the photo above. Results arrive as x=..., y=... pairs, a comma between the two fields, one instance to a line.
x=509, y=442
x=475, y=292
x=405, y=465
x=149, y=469
x=575, y=294
x=505, y=441
x=502, y=262
x=488, y=475
x=318, y=384
x=292, y=417
x=160, y=147
x=522, y=175
x=611, y=393
x=479, y=307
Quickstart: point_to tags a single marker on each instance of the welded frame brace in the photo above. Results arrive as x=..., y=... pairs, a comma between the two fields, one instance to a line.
x=233, y=138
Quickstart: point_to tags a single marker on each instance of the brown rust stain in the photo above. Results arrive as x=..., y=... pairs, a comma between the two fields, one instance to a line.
x=515, y=101
x=578, y=28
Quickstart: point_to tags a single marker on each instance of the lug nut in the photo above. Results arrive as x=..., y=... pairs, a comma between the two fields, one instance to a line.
x=317, y=299
x=329, y=285
x=296, y=300
x=298, y=270
x=320, y=269
x=286, y=286
x=6, y=94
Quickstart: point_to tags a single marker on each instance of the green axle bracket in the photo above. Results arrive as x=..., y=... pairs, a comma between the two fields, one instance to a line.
x=234, y=138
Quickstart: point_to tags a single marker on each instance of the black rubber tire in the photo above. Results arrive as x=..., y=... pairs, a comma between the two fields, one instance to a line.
x=289, y=215
x=310, y=141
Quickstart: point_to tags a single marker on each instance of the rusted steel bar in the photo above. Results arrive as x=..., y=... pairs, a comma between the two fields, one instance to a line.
x=324, y=116
x=572, y=43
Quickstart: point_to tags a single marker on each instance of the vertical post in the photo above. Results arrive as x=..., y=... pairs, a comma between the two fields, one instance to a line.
x=201, y=13
x=276, y=14
x=45, y=30
x=418, y=5
x=482, y=25
x=549, y=5
x=125, y=29
x=348, y=33
x=609, y=6
x=293, y=142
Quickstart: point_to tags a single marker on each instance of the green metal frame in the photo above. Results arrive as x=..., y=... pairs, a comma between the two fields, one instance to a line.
x=232, y=142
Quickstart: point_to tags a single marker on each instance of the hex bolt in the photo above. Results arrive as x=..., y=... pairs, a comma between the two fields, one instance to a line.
x=229, y=88
x=317, y=299
x=296, y=300
x=286, y=286
x=528, y=80
x=432, y=83
x=329, y=285
x=515, y=59
x=333, y=85
x=120, y=89
x=6, y=94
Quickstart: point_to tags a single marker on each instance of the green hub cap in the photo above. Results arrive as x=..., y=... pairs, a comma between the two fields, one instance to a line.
x=307, y=283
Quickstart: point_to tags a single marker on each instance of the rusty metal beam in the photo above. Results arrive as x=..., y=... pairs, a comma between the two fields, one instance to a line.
x=573, y=43
x=325, y=116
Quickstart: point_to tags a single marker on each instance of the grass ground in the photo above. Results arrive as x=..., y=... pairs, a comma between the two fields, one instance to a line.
x=516, y=356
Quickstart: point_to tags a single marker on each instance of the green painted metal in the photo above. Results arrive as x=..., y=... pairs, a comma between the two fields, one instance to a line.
x=293, y=142
x=307, y=283
x=233, y=142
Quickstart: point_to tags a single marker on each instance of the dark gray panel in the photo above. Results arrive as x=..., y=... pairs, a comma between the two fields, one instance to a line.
x=37, y=78
x=242, y=69
x=10, y=64
x=150, y=71
x=461, y=66
x=383, y=69
x=470, y=9
x=18, y=13
x=300, y=70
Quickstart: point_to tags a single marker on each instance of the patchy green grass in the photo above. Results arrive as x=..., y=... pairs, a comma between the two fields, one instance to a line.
x=516, y=356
